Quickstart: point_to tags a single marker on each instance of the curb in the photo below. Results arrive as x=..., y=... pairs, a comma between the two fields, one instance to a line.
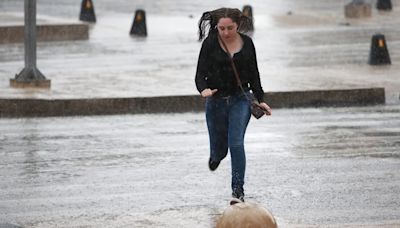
x=179, y=104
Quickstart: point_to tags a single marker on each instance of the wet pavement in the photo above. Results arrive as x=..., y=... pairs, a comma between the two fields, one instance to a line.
x=309, y=48
x=327, y=167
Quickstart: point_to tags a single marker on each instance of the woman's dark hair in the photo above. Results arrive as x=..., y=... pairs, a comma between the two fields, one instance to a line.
x=208, y=22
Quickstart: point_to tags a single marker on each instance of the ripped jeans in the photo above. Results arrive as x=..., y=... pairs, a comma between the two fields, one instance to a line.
x=227, y=120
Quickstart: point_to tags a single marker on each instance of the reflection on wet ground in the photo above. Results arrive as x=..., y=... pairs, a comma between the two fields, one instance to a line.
x=322, y=167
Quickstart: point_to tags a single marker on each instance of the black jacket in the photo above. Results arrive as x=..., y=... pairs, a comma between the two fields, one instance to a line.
x=214, y=69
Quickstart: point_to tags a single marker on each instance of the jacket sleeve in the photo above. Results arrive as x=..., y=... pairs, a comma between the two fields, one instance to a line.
x=201, y=72
x=255, y=82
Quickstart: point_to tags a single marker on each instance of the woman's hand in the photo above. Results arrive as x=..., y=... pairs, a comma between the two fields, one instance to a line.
x=267, y=109
x=208, y=92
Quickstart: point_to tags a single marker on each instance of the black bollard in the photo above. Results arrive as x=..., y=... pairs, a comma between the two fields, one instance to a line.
x=384, y=5
x=248, y=12
x=139, y=24
x=87, y=11
x=379, y=54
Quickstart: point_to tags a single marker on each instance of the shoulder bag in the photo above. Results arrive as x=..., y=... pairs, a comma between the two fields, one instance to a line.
x=256, y=110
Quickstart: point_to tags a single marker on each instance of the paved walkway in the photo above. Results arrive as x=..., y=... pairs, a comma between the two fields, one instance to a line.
x=328, y=167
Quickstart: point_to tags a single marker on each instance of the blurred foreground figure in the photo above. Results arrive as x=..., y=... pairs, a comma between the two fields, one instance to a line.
x=246, y=215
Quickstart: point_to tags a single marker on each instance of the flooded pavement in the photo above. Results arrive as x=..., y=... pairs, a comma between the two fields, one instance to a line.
x=327, y=167
x=301, y=45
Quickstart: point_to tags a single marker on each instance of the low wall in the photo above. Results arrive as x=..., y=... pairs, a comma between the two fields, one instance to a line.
x=177, y=104
x=53, y=32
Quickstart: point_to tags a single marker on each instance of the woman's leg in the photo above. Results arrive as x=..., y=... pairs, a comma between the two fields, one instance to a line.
x=239, y=116
x=217, y=123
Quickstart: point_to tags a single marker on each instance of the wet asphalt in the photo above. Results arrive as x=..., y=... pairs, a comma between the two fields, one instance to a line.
x=326, y=167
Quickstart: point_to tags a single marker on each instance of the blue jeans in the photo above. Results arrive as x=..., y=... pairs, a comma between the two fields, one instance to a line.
x=227, y=119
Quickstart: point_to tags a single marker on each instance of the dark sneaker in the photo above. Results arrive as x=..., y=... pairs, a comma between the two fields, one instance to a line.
x=238, y=193
x=213, y=165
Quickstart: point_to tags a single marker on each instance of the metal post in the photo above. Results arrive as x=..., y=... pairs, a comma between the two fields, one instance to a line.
x=30, y=33
x=30, y=76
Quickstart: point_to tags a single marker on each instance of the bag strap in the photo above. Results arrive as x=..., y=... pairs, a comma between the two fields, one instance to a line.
x=235, y=72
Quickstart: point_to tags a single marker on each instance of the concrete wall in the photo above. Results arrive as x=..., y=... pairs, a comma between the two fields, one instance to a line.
x=172, y=104
x=56, y=32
